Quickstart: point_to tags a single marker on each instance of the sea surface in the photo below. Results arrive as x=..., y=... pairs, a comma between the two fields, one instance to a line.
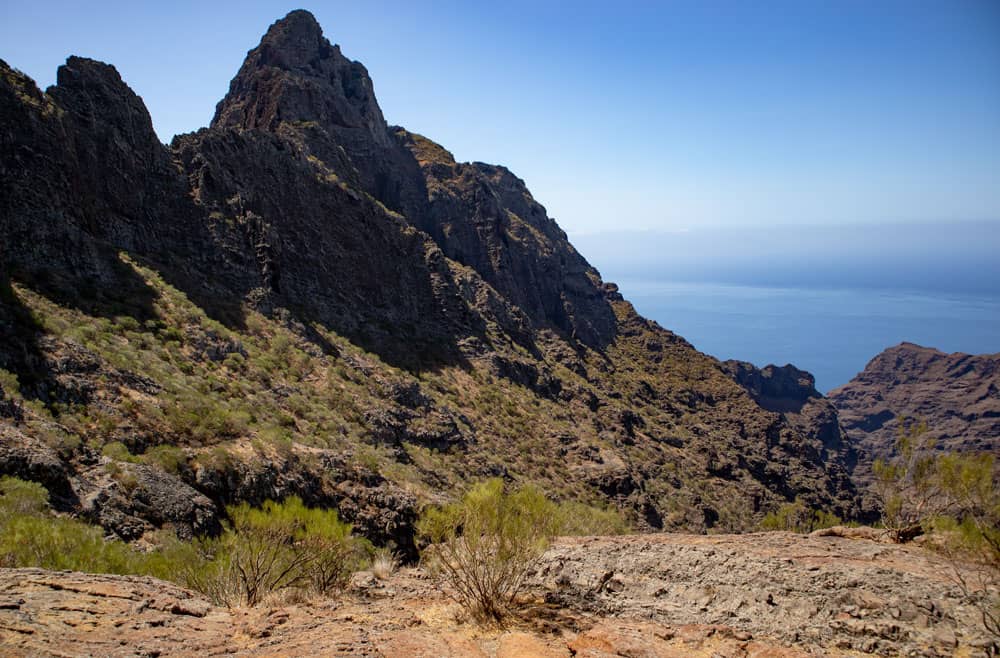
x=831, y=332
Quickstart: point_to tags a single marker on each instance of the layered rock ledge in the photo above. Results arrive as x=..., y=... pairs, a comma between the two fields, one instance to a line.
x=773, y=594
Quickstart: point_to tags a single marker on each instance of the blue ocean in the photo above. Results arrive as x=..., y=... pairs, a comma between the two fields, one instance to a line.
x=824, y=298
x=832, y=333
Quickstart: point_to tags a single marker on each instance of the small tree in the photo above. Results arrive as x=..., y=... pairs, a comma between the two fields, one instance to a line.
x=907, y=486
x=971, y=534
x=485, y=546
x=957, y=496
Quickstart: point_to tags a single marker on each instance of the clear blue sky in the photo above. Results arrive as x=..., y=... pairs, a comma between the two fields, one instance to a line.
x=640, y=116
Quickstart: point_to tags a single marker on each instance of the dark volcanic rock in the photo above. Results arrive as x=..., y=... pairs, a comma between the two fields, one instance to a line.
x=778, y=389
x=378, y=509
x=484, y=216
x=369, y=301
x=957, y=395
x=135, y=498
x=298, y=85
x=792, y=393
x=28, y=458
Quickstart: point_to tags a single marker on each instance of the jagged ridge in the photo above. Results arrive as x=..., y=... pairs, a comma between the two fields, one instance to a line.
x=384, y=323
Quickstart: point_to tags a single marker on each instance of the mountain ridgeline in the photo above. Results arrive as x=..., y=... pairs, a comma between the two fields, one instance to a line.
x=957, y=396
x=301, y=299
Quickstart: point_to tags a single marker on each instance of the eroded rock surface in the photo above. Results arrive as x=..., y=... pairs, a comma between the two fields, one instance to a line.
x=776, y=594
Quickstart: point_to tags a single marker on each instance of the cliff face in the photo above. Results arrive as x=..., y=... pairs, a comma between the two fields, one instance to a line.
x=792, y=393
x=301, y=299
x=298, y=85
x=957, y=395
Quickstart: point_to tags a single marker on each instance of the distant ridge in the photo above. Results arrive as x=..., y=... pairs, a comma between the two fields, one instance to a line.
x=957, y=395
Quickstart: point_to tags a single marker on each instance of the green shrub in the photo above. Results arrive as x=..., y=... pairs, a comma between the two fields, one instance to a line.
x=118, y=451
x=170, y=458
x=30, y=536
x=276, y=547
x=907, y=487
x=204, y=420
x=957, y=497
x=797, y=517
x=578, y=519
x=485, y=546
x=20, y=498
x=969, y=535
x=127, y=323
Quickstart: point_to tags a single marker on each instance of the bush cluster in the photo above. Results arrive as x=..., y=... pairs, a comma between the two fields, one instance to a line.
x=276, y=547
x=30, y=536
x=798, y=517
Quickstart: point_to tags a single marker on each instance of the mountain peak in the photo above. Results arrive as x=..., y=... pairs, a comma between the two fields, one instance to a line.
x=293, y=42
x=295, y=75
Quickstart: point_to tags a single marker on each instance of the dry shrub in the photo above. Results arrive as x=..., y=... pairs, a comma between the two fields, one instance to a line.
x=485, y=546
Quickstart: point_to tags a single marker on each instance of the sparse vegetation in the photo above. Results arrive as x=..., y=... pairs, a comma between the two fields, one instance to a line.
x=575, y=518
x=31, y=536
x=384, y=563
x=798, y=517
x=277, y=547
x=280, y=546
x=957, y=498
x=484, y=546
x=970, y=534
x=907, y=487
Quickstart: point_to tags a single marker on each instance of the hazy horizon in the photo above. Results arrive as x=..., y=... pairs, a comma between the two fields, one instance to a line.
x=820, y=298
x=957, y=257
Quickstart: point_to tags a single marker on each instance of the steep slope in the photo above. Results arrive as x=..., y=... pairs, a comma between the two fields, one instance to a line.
x=301, y=299
x=957, y=395
x=295, y=83
x=792, y=393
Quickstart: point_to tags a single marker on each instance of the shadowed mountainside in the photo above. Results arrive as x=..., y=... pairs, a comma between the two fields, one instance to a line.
x=303, y=300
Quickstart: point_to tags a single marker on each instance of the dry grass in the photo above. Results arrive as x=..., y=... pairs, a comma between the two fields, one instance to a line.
x=384, y=563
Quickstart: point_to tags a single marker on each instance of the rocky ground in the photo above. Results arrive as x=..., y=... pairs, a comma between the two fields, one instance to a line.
x=772, y=594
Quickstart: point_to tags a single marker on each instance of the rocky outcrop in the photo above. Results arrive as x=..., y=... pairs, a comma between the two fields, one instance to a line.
x=298, y=85
x=874, y=598
x=772, y=594
x=779, y=389
x=484, y=216
x=956, y=395
x=378, y=509
x=29, y=458
x=133, y=499
x=791, y=392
